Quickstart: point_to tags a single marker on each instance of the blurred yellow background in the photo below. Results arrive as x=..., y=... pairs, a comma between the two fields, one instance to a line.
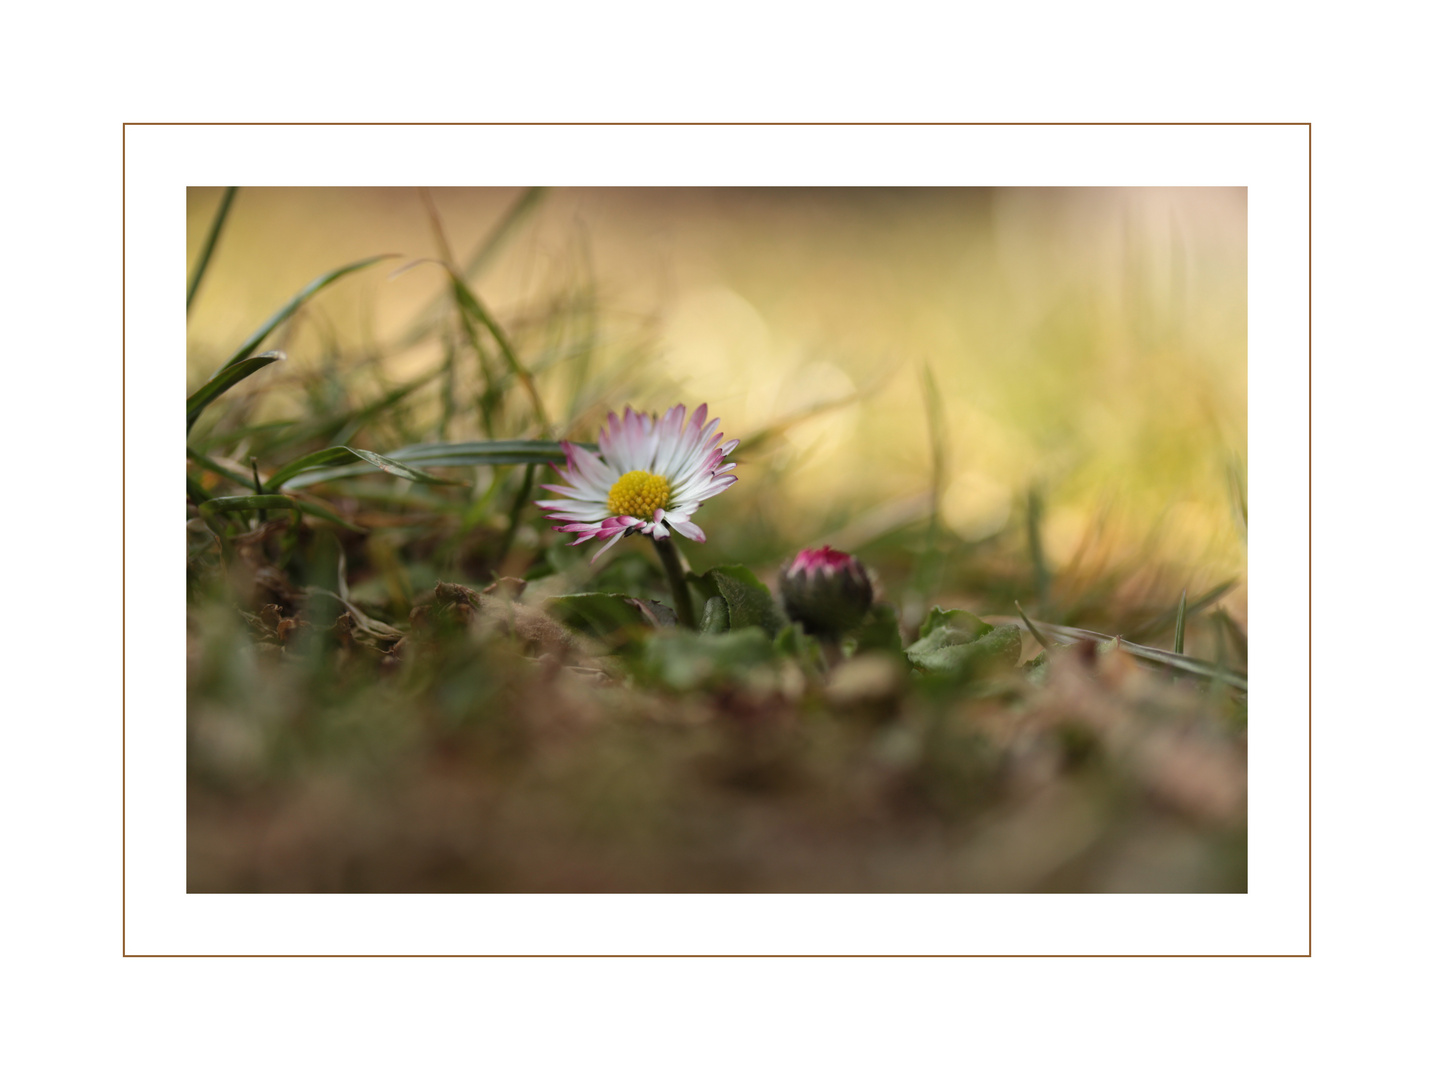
x=1088, y=342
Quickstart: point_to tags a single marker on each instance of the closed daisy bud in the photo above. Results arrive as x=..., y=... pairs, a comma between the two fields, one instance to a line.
x=828, y=592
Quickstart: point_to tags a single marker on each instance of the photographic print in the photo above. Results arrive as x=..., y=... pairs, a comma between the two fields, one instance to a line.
x=716, y=540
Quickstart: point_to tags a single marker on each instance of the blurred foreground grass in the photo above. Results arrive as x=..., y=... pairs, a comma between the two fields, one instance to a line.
x=990, y=397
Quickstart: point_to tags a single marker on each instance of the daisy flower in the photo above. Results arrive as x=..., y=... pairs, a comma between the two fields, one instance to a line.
x=648, y=476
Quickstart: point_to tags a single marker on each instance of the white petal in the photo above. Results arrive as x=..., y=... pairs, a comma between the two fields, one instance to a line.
x=575, y=506
x=591, y=468
x=610, y=543
x=689, y=530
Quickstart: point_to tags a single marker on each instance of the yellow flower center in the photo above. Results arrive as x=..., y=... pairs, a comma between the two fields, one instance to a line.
x=638, y=494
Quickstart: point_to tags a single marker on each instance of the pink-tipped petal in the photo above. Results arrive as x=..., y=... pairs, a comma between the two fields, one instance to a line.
x=610, y=543
x=689, y=530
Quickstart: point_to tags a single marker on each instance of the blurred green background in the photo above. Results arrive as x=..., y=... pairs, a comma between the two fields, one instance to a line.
x=1087, y=348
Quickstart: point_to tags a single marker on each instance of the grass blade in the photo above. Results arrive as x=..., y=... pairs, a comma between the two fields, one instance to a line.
x=930, y=564
x=1180, y=625
x=293, y=305
x=337, y=454
x=1237, y=494
x=1035, y=513
x=1040, y=638
x=488, y=452
x=936, y=433
x=516, y=514
x=213, y=238
x=508, y=224
x=1160, y=622
x=433, y=455
x=216, y=468
x=492, y=244
x=1231, y=629
x=473, y=308
x=250, y=502
x=1159, y=658
x=226, y=377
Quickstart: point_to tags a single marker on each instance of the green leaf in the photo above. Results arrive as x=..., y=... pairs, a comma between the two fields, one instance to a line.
x=226, y=377
x=795, y=642
x=715, y=617
x=596, y=613
x=293, y=305
x=1001, y=648
x=953, y=627
x=657, y=614
x=749, y=602
x=880, y=631
x=958, y=643
x=335, y=454
x=683, y=660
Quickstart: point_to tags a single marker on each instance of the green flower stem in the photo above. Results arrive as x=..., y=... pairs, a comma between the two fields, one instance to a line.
x=677, y=578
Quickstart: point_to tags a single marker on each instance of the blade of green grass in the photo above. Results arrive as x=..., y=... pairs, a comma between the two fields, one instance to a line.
x=433, y=455
x=1231, y=629
x=1167, y=618
x=213, y=238
x=227, y=376
x=484, y=254
x=196, y=491
x=1035, y=513
x=1237, y=493
x=525, y=488
x=1040, y=638
x=214, y=439
x=1069, y=635
x=507, y=225
x=495, y=452
x=217, y=469
x=931, y=562
x=473, y=308
x=322, y=282
x=336, y=454
x=1180, y=625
